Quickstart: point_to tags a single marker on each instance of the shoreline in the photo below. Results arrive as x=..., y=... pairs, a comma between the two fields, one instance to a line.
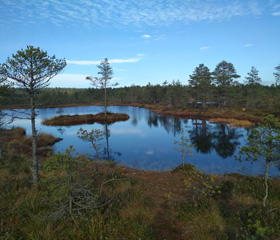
x=223, y=115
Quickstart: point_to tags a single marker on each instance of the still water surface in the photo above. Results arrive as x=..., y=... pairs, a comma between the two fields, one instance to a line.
x=146, y=140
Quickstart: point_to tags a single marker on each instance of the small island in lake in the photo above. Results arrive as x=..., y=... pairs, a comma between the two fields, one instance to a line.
x=68, y=120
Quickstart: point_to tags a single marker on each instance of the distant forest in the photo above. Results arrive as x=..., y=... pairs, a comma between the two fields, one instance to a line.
x=175, y=94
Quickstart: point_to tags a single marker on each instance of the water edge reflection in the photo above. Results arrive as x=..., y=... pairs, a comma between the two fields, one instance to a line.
x=146, y=140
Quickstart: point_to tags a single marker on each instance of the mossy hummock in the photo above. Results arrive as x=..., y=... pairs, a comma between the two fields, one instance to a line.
x=69, y=120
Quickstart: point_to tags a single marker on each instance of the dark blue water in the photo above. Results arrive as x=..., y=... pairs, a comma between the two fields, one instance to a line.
x=146, y=140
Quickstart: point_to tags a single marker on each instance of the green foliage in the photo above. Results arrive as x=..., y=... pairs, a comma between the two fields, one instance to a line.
x=255, y=225
x=31, y=68
x=183, y=146
x=264, y=142
x=94, y=137
x=264, y=146
x=253, y=77
x=201, y=81
x=253, y=80
x=186, y=169
x=258, y=224
x=277, y=75
x=106, y=73
x=202, y=185
x=225, y=73
x=168, y=195
x=224, y=76
x=68, y=188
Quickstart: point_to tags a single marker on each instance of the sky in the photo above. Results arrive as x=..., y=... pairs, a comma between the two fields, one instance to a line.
x=146, y=41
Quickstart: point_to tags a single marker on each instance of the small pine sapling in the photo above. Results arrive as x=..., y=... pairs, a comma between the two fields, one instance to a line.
x=94, y=137
x=183, y=146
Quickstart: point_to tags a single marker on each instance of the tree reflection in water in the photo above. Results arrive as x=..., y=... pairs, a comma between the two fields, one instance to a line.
x=201, y=136
x=204, y=135
x=152, y=120
x=148, y=139
x=108, y=153
x=225, y=140
x=221, y=137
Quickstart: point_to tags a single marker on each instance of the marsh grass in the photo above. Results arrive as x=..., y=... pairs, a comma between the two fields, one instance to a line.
x=210, y=113
x=232, y=122
x=69, y=120
x=16, y=143
x=236, y=213
x=140, y=208
x=203, y=220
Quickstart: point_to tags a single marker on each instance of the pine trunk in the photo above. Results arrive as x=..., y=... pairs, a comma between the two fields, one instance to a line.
x=265, y=181
x=34, y=143
x=105, y=96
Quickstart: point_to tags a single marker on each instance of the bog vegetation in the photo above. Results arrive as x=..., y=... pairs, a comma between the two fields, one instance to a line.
x=80, y=198
x=70, y=120
x=76, y=196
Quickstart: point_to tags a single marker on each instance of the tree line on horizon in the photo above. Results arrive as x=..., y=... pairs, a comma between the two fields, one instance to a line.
x=219, y=87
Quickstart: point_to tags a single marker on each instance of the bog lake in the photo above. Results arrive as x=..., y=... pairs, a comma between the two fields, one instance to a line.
x=146, y=140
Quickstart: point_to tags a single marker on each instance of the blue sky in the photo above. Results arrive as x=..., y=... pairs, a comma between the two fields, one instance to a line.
x=145, y=40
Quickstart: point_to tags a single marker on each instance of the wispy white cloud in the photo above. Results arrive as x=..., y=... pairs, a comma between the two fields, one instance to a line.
x=274, y=4
x=131, y=60
x=119, y=13
x=255, y=8
x=204, y=48
x=276, y=14
x=248, y=45
x=140, y=54
x=146, y=36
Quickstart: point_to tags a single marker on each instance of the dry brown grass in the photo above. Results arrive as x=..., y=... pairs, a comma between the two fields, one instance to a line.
x=232, y=122
x=69, y=120
x=15, y=141
x=235, y=117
